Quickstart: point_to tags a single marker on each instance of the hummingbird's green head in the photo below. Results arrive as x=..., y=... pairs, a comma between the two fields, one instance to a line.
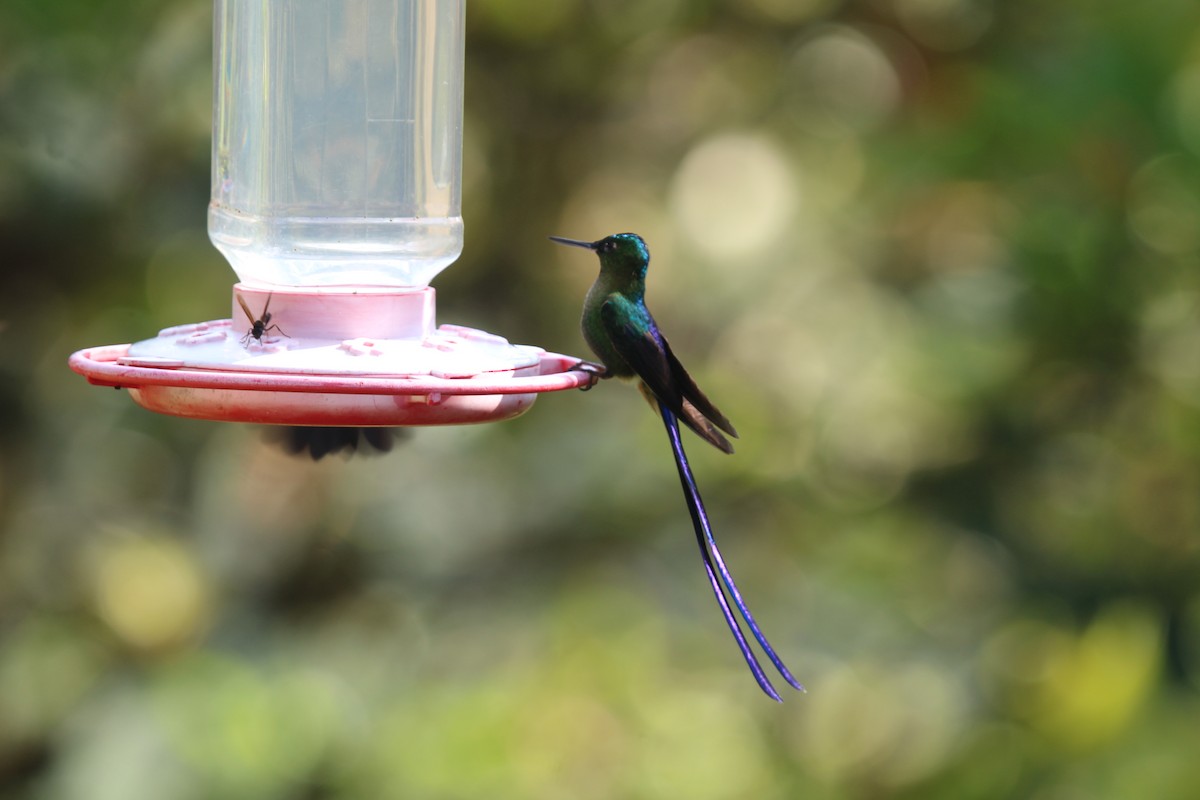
x=623, y=254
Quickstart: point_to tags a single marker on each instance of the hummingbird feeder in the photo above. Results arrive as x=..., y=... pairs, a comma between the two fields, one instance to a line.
x=336, y=199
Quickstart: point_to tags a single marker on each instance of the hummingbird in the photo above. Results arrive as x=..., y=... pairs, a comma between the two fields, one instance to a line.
x=621, y=332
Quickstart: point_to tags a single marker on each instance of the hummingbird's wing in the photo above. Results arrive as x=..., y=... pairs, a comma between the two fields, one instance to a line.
x=635, y=337
x=692, y=394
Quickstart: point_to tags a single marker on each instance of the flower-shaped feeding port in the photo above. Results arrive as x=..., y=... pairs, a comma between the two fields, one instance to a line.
x=336, y=198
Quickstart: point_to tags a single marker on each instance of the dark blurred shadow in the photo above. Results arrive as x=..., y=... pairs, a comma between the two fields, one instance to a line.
x=320, y=442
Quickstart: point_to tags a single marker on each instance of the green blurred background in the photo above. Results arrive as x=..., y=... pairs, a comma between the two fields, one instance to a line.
x=937, y=259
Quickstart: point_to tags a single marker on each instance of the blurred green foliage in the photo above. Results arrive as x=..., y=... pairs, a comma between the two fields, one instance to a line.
x=938, y=259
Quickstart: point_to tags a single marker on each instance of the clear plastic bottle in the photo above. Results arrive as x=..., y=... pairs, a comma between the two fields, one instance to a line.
x=337, y=140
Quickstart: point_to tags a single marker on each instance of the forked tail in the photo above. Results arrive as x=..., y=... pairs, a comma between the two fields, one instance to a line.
x=714, y=564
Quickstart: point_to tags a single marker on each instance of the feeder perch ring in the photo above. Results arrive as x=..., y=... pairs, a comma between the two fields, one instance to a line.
x=169, y=387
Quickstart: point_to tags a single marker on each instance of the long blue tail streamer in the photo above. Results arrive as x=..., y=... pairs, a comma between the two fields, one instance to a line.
x=714, y=563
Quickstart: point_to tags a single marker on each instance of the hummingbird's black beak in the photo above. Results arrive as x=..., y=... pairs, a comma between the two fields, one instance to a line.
x=574, y=242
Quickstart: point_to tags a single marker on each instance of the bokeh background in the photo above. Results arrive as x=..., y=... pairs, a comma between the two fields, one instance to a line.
x=937, y=259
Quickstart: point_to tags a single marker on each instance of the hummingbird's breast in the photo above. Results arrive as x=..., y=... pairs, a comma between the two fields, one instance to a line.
x=597, y=335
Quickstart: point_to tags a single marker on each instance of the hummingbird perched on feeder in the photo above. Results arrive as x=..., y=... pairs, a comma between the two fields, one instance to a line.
x=620, y=331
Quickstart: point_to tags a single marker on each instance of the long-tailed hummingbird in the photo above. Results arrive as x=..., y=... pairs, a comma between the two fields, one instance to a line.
x=620, y=331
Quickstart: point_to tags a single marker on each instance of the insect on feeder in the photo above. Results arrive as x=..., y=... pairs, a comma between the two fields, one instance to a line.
x=336, y=198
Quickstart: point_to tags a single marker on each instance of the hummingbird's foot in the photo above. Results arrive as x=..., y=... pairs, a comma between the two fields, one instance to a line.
x=596, y=371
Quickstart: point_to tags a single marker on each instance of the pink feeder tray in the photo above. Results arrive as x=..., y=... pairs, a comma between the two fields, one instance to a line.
x=313, y=364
